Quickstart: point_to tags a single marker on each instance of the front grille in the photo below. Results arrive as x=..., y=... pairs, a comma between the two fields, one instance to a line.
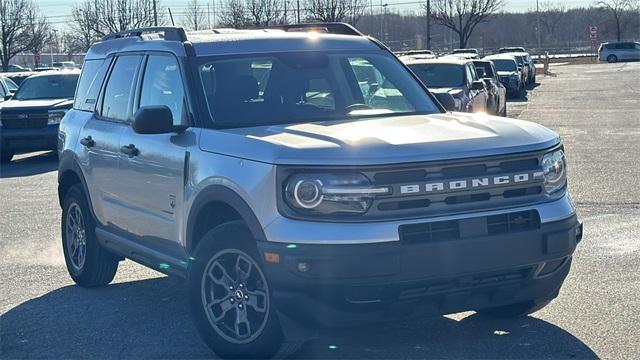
x=452, y=230
x=24, y=120
x=410, y=185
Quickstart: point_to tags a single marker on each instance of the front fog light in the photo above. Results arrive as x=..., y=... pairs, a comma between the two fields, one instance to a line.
x=554, y=168
x=331, y=194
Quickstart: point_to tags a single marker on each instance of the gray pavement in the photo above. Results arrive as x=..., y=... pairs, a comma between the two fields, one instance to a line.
x=143, y=314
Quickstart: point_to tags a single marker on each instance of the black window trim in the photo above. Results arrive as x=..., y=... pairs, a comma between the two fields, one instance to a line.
x=104, y=81
x=100, y=103
x=141, y=72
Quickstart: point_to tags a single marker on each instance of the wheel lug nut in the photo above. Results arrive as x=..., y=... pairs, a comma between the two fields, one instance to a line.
x=246, y=297
x=240, y=306
x=232, y=300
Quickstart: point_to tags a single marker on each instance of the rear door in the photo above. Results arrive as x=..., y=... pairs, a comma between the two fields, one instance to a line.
x=154, y=176
x=100, y=138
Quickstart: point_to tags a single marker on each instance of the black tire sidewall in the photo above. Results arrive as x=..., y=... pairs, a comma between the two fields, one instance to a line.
x=85, y=275
x=237, y=236
x=612, y=59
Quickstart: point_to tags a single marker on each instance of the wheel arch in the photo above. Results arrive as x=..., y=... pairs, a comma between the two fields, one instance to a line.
x=69, y=174
x=215, y=205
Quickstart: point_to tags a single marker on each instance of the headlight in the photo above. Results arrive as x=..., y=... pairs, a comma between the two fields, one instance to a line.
x=55, y=116
x=331, y=194
x=554, y=168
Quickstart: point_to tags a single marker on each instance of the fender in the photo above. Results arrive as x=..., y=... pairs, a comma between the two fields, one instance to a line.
x=225, y=195
x=69, y=162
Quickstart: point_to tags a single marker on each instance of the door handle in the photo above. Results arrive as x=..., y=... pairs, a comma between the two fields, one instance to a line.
x=87, y=142
x=130, y=150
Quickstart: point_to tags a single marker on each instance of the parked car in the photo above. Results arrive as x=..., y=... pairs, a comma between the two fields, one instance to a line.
x=619, y=51
x=455, y=76
x=528, y=63
x=511, y=49
x=7, y=87
x=257, y=166
x=64, y=65
x=31, y=116
x=417, y=54
x=17, y=68
x=18, y=77
x=509, y=73
x=467, y=53
x=497, y=102
x=44, y=68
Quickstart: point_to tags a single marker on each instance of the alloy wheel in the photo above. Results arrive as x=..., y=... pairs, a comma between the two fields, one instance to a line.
x=235, y=296
x=76, y=237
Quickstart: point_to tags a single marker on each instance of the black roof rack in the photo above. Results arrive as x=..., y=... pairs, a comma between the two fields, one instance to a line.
x=170, y=33
x=330, y=28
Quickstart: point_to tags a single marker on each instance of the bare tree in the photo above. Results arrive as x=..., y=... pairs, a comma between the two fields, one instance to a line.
x=620, y=10
x=233, y=14
x=15, y=35
x=39, y=32
x=462, y=16
x=83, y=28
x=263, y=12
x=550, y=16
x=196, y=17
x=108, y=16
x=336, y=10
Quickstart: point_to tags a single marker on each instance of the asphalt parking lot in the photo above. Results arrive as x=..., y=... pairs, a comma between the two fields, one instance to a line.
x=143, y=314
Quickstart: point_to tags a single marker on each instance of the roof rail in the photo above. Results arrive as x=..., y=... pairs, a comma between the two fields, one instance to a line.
x=170, y=33
x=330, y=28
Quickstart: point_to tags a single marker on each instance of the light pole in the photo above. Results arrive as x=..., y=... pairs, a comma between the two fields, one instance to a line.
x=54, y=42
x=538, y=24
x=428, y=24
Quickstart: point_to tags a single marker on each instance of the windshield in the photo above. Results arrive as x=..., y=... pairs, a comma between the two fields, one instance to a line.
x=47, y=87
x=439, y=75
x=504, y=65
x=286, y=88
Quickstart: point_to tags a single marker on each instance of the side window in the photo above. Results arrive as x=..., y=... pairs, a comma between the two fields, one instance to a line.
x=93, y=73
x=117, y=93
x=2, y=91
x=162, y=85
x=469, y=74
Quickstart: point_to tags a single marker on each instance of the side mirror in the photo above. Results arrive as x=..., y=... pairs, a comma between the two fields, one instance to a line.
x=8, y=96
x=477, y=85
x=446, y=100
x=153, y=120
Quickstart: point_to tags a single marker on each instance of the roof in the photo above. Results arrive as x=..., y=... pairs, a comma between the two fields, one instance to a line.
x=56, y=72
x=500, y=56
x=230, y=41
x=441, y=60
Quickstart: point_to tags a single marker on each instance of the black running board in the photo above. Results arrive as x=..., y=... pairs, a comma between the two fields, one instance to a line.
x=141, y=254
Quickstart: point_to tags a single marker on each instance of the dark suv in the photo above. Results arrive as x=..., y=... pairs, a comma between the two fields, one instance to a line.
x=31, y=116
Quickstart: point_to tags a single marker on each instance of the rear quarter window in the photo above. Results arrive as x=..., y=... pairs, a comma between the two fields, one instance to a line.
x=91, y=79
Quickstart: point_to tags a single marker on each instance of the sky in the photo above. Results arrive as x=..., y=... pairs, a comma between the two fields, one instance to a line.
x=58, y=11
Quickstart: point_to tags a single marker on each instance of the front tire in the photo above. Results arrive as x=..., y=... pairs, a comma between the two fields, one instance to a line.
x=88, y=263
x=612, y=59
x=514, y=310
x=230, y=297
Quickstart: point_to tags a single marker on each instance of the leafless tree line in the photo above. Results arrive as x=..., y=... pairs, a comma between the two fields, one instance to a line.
x=22, y=28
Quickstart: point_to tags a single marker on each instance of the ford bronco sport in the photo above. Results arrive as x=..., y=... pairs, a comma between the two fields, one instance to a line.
x=299, y=179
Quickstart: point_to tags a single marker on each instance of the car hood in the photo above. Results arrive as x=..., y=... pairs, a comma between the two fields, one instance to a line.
x=379, y=141
x=451, y=90
x=14, y=105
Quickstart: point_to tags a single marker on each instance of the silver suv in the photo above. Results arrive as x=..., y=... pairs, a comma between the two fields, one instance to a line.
x=303, y=176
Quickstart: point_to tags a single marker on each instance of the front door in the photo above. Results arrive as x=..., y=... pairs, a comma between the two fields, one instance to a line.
x=154, y=171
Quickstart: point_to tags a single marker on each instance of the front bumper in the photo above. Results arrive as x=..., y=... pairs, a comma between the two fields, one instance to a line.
x=26, y=140
x=349, y=284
